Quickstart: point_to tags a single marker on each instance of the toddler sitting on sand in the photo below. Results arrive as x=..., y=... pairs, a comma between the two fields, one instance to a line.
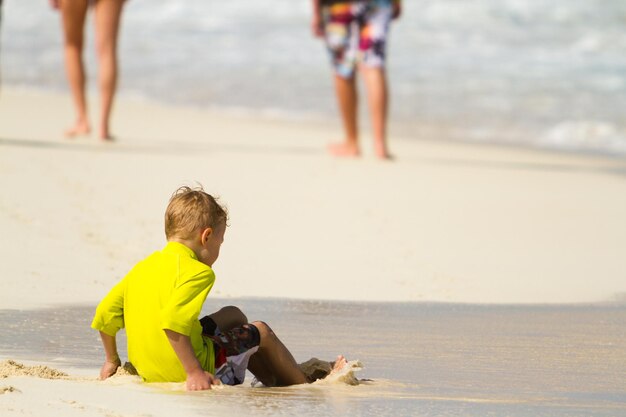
x=159, y=303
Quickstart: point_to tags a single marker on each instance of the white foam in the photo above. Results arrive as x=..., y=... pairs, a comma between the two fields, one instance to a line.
x=585, y=135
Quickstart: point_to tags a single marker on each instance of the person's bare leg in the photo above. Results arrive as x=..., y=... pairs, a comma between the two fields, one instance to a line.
x=228, y=318
x=107, y=20
x=273, y=364
x=258, y=367
x=347, y=98
x=73, y=14
x=377, y=98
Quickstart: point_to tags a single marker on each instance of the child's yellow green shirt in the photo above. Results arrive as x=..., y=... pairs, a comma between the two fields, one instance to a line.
x=164, y=291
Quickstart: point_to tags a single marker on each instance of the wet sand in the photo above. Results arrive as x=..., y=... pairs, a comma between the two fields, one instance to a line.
x=419, y=359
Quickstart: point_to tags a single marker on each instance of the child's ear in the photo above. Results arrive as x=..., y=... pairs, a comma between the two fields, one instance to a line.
x=206, y=234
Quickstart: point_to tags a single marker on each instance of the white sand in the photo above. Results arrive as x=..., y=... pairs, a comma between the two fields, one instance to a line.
x=39, y=394
x=444, y=222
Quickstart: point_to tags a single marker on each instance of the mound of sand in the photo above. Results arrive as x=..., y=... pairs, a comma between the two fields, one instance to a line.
x=126, y=370
x=11, y=368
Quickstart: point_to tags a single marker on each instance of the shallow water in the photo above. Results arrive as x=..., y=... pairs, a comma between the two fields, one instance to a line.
x=547, y=73
x=423, y=359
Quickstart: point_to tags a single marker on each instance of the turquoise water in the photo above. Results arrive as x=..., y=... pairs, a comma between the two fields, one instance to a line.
x=420, y=359
x=538, y=73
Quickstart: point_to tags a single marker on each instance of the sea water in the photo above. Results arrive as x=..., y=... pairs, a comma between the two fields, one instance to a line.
x=420, y=359
x=540, y=73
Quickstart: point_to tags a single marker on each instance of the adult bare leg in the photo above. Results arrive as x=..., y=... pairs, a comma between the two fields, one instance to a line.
x=347, y=98
x=377, y=98
x=273, y=364
x=73, y=15
x=107, y=19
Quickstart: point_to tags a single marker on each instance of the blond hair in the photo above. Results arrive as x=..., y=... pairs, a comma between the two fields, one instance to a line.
x=190, y=210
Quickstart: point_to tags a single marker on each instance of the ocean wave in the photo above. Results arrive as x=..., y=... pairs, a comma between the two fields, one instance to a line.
x=555, y=68
x=585, y=135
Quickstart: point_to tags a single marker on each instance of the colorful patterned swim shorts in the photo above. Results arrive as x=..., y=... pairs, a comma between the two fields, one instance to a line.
x=356, y=31
x=233, y=349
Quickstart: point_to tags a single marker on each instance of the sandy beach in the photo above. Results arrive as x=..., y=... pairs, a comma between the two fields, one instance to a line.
x=444, y=222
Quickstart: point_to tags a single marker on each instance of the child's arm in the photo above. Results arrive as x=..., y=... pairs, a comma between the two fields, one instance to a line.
x=197, y=378
x=112, y=359
x=108, y=320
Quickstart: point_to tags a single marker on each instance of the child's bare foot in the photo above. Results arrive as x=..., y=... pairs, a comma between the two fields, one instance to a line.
x=79, y=129
x=338, y=364
x=346, y=149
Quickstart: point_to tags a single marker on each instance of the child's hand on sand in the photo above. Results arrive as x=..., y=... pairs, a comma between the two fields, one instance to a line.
x=201, y=380
x=109, y=368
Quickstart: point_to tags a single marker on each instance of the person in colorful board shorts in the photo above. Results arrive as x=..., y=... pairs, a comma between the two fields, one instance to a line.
x=355, y=33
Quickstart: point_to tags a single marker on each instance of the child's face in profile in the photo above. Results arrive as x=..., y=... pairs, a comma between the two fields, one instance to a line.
x=211, y=247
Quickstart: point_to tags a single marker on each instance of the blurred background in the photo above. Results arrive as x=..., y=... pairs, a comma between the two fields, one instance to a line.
x=537, y=73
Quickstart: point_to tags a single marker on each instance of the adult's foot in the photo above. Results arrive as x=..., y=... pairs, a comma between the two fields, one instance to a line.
x=79, y=129
x=104, y=133
x=346, y=149
x=381, y=152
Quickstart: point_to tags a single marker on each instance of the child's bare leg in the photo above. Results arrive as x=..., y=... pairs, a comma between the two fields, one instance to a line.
x=345, y=89
x=273, y=364
x=228, y=318
x=73, y=16
x=260, y=370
